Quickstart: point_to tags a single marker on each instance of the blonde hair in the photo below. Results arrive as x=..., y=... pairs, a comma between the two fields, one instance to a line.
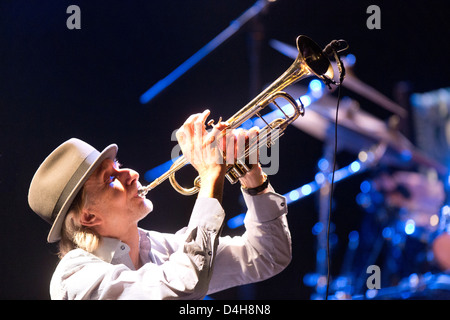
x=73, y=233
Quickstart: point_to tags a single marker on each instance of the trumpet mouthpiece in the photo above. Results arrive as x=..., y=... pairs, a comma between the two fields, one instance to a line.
x=142, y=192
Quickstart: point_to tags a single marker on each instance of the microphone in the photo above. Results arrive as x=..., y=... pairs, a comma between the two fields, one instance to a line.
x=333, y=49
x=333, y=45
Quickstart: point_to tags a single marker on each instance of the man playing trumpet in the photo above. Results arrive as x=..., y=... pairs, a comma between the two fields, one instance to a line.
x=93, y=206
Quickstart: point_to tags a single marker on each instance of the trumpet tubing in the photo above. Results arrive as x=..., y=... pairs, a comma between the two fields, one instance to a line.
x=310, y=61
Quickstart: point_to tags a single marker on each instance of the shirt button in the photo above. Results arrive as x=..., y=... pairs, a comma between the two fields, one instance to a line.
x=209, y=253
x=122, y=247
x=282, y=204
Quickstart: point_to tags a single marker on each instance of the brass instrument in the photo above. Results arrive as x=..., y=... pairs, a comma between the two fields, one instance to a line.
x=310, y=61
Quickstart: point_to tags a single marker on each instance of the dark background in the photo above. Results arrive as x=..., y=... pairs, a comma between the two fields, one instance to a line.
x=57, y=83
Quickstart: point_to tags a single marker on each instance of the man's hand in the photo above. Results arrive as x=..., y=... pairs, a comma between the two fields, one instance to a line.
x=200, y=147
x=206, y=150
x=255, y=177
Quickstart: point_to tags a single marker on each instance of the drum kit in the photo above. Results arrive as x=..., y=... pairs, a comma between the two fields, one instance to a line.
x=405, y=230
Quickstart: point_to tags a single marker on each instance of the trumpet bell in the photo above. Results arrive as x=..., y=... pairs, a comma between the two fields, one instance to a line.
x=314, y=58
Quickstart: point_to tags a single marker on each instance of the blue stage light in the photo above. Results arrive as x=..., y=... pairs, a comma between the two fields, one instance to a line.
x=306, y=100
x=365, y=186
x=355, y=166
x=293, y=195
x=156, y=172
x=323, y=164
x=350, y=59
x=306, y=189
x=410, y=226
x=248, y=124
x=388, y=232
x=236, y=221
x=315, y=85
x=317, y=228
x=319, y=178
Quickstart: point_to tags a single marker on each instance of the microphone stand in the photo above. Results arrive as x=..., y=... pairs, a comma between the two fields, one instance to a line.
x=234, y=26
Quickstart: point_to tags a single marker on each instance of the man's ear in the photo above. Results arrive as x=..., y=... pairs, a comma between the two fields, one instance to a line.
x=88, y=219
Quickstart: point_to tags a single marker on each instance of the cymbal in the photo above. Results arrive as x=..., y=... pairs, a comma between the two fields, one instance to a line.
x=358, y=131
x=351, y=81
x=321, y=113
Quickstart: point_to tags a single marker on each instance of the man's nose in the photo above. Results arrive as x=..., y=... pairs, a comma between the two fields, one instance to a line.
x=128, y=176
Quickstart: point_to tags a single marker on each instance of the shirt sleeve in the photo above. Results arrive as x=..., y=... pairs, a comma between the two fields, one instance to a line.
x=262, y=251
x=184, y=275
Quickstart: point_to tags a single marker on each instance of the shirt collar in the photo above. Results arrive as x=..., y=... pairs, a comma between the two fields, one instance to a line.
x=114, y=251
x=110, y=248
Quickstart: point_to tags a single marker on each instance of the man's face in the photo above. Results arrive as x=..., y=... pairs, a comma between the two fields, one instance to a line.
x=112, y=195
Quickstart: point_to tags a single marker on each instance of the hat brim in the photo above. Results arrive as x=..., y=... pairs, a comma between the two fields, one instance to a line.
x=54, y=235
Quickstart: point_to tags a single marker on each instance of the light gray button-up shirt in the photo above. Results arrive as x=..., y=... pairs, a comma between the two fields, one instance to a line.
x=189, y=264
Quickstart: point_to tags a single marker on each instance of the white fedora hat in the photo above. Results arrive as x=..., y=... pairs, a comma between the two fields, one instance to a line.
x=59, y=178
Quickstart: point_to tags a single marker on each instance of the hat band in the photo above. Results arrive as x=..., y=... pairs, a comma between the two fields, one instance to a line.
x=76, y=177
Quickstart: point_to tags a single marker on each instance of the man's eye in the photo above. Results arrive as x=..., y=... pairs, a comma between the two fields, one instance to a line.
x=111, y=179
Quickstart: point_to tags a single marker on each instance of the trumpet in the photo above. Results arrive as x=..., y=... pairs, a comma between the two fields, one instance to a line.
x=311, y=60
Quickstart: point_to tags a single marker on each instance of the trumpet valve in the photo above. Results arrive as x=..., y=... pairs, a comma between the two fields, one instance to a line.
x=238, y=170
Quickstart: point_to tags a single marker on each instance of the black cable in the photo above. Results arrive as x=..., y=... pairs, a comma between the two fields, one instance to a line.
x=331, y=189
x=341, y=79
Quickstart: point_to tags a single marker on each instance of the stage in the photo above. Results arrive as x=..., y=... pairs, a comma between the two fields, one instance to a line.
x=83, y=73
